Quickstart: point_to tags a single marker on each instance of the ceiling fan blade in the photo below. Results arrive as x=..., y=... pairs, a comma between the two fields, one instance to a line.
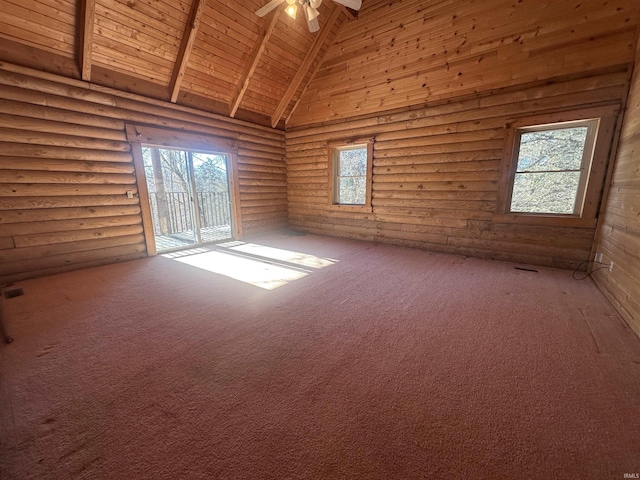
x=354, y=4
x=261, y=12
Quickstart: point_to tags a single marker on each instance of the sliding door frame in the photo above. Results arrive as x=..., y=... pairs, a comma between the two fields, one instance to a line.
x=139, y=135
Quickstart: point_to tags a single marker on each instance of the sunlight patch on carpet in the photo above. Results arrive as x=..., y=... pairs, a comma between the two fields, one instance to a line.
x=258, y=265
x=303, y=259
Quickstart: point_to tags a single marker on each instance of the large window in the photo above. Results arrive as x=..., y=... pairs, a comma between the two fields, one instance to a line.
x=552, y=168
x=351, y=174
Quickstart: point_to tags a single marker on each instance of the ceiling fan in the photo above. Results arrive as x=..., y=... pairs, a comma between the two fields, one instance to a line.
x=310, y=8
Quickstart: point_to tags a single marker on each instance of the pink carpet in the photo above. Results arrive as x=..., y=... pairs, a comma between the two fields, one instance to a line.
x=386, y=363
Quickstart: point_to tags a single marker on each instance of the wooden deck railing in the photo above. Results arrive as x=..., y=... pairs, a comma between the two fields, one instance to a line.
x=214, y=209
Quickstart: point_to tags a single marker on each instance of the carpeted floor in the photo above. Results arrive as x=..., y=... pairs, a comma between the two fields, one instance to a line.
x=348, y=361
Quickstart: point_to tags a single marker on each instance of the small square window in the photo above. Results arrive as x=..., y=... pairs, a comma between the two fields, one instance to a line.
x=552, y=167
x=351, y=175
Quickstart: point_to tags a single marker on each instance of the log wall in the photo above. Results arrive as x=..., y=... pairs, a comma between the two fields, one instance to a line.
x=436, y=172
x=619, y=238
x=66, y=167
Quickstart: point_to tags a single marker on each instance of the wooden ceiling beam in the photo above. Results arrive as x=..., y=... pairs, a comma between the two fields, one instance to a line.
x=186, y=46
x=88, y=13
x=306, y=64
x=254, y=59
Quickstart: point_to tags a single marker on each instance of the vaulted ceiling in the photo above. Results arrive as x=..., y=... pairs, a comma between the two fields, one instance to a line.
x=219, y=56
x=214, y=55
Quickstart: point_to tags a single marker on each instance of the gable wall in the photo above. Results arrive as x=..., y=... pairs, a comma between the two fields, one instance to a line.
x=408, y=52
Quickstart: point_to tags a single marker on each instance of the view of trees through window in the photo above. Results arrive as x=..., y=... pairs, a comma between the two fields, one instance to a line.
x=548, y=173
x=171, y=189
x=352, y=176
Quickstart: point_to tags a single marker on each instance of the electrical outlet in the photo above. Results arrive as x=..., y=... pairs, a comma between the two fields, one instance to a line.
x=611, y=266
x=598, y=257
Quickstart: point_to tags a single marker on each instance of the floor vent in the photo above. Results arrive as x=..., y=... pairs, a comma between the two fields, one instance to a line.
x=526, y=269
x=13, y=293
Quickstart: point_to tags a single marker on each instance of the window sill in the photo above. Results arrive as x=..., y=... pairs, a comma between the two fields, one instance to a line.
x=545, y=220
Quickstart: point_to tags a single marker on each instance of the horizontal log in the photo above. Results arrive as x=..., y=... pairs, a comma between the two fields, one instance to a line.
x=307, y=174
x=259, y=189
x=249, y=210
x=16, y=277
x=487, y=186
x=306, y=200
x=443, y=148
x=396, y=217
x=33, y=265
x=17, y=229
x=450, y=168
x=56, y=165
x=65, y=153
x=523, y=248
x=483, y=176
x=52, y=177
x=246, y=182
x=46, y=214
x=260, y=161
x=282, y=202
x=538, y=239
x=249, y=167
x=248, y=196
x=38, y=190
x=466, y=205
x=248, y=175
x=73, y=236
x=295, y=182
x=9, y=203
x=55, y=127
x=55, y=114
x=282, y=214
x=435, y=158
x=437, y=138
x=58, y=140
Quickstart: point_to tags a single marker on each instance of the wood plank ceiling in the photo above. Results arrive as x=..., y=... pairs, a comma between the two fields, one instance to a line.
x=438, y=50
x=215, y=55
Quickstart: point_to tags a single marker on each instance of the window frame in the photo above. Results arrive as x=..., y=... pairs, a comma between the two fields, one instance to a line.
x=592, y=125
x=333, y=152
x=148, y=136
x=592, y=177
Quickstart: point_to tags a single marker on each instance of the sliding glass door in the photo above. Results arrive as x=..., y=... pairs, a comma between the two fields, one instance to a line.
x=188, y=196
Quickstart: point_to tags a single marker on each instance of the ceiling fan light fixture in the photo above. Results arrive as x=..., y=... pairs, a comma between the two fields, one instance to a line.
x=292, y=9
x=311, y=12
x=315, y=4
